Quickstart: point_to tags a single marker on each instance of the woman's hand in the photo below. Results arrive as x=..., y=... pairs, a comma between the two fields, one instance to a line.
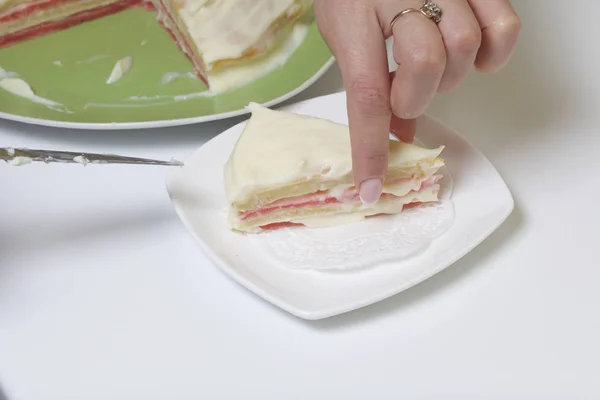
x=431, y=58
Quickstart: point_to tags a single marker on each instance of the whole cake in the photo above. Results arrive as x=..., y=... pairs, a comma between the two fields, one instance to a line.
x=213, y=34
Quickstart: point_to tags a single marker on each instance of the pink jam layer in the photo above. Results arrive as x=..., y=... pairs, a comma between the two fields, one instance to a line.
x=279, y=225
x=167, y=20
x=323, y=198
x=25, y=10
x=54, y=26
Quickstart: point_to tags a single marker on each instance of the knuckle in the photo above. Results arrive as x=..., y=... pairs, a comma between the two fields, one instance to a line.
x=428, y=61
x=376, y=158
x=465, y=42
x=370, y=98
x=509, y=27
x=345, y=7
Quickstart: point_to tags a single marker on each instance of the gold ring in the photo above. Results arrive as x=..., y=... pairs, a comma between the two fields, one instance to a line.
x=429, y=9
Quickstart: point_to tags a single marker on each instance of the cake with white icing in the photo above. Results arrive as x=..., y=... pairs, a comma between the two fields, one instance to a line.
x=288, y=169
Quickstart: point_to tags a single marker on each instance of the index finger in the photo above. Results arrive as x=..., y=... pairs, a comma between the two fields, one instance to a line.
x=359, y=47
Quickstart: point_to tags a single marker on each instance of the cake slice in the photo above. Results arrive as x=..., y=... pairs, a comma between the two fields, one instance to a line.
x=288, y=169
x=25, y=19
x=215, y=34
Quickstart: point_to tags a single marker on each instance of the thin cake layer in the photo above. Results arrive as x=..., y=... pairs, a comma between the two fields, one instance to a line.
x=22, y=20
x=328, y=208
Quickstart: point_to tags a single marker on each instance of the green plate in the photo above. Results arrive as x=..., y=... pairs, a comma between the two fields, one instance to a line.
x=71, y=67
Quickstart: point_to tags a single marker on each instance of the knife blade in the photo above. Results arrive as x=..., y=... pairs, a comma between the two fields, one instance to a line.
x=22, y=156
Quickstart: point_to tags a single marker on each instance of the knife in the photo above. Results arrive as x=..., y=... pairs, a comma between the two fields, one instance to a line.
x=20, y=156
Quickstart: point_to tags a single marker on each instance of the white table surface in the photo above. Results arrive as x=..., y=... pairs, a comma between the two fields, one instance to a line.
x=104, y=295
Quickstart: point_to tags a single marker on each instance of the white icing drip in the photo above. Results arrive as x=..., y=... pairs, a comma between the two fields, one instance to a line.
x=121, y=68
x=81, y=160
x=171, y=76
x=92, y=59
x=10, y=82
x=19, y=161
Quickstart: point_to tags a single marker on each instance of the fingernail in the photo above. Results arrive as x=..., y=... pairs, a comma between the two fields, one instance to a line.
x=370, y=190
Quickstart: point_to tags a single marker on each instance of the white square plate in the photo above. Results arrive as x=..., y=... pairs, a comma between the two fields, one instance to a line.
x=480, y=197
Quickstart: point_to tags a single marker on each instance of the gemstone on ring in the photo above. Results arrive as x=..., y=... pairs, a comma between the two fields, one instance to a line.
x=432, y=11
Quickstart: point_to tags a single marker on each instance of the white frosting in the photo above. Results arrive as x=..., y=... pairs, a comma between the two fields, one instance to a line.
x=93, y=59
x=382, y=207
x=121, y=68
x=11, y=82
x=6, y=74
x=225, y=29
x=169, y=77
x=19, y=87
x=403, y=187
x=334, y=214
x=81, y=160
x=240, y=74
x=278, y=148
x=19, y=161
